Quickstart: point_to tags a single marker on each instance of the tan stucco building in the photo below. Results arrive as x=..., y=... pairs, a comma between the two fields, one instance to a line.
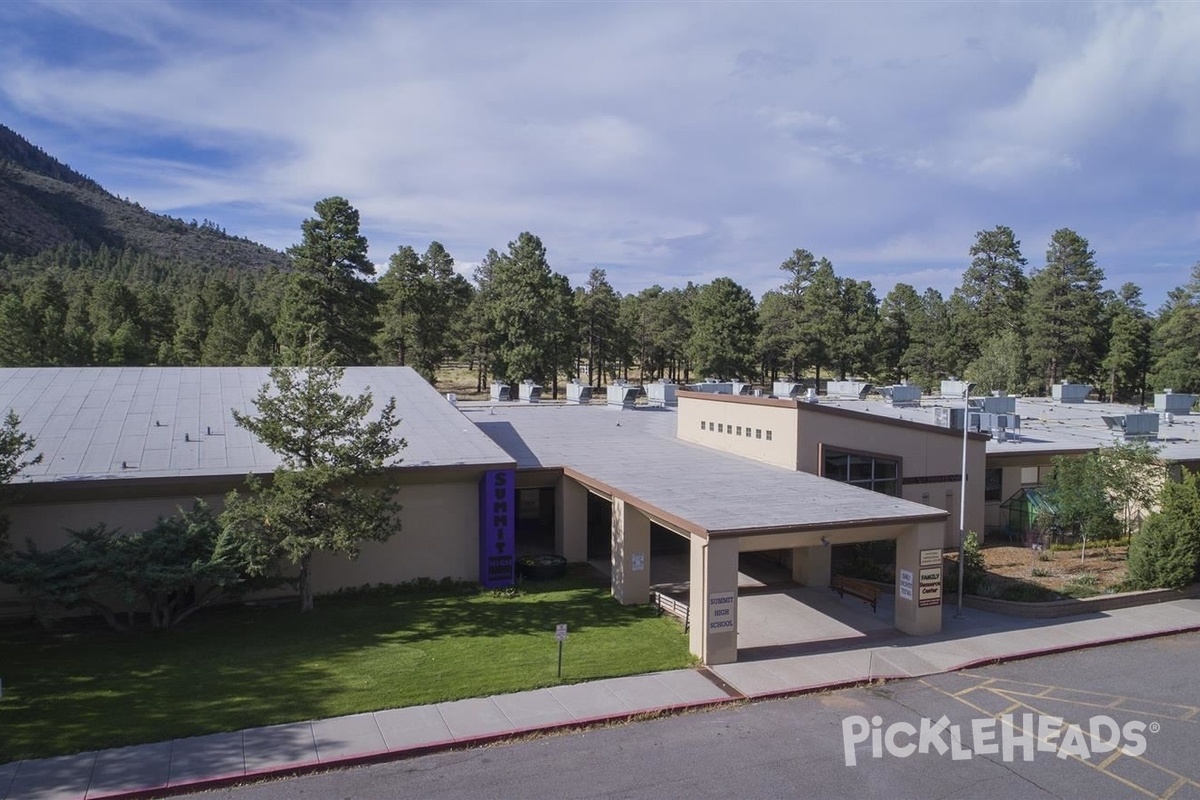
x=714, y=478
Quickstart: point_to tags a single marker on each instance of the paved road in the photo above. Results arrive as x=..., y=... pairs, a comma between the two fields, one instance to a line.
x=798, y=748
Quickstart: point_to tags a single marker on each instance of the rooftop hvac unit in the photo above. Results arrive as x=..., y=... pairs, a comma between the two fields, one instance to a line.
x=787, y=388
x=530, y=391
x=578, y=393
x=712, y=386
x=743, y=388
x=848, y=389
x=954, y=388
x=1174, y=402
x=996, y=404
x=902, y=395
x=949, y=417
x=1070, y=392
x=1141, y=425
x=501, y=391
x=622, y=394
x=661, y=394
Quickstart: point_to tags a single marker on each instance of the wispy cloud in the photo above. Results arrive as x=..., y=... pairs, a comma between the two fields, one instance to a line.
x=665, y=142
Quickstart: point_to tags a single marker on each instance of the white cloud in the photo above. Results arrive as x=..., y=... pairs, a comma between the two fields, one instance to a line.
x=662, y=141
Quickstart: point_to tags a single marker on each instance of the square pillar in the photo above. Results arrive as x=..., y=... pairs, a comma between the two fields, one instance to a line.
x=630, y=554
x=712, y=600
x=812, y=566
x=570, y=520
x=919, y=578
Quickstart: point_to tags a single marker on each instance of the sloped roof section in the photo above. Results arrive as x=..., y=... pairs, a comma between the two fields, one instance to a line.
x=112, y=423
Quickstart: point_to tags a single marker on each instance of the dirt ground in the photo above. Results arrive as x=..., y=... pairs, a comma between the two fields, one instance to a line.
x=1062, y=571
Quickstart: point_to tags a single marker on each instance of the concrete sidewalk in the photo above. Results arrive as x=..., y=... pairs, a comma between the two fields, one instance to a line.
x=203, y=761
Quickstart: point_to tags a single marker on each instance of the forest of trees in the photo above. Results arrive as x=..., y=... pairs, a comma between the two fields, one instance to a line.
x=1008, y=326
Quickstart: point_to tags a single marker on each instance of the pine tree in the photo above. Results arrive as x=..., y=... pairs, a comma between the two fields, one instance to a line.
x=993, y=289
x=1128, y=345
x=1062, y=319
x=724, y=330
x=1175, y=349
x=332, y=490
x=327, y=301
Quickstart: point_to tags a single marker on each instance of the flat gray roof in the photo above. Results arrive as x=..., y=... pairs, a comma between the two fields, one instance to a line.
x=636, y=452
x=1048, y=426
x=87, y=421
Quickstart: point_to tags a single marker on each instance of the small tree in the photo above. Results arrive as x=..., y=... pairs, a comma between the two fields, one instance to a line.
x=1078, y=489
x=331, y=491
x=14, y=449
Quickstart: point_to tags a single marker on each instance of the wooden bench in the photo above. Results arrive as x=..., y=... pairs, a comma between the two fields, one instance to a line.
x=867, y=592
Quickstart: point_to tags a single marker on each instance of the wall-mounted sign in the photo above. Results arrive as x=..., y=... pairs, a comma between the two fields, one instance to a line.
x=722, y=612
x=929, y=594
x=639, y=562
x=931, y=558
x=497, y=509
x=931, y=575
x=906, y=584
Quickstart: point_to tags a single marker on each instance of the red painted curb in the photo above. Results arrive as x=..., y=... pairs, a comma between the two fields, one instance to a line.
x=399, y=754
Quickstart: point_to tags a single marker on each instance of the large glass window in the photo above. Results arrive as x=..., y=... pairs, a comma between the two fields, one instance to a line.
x=993, y=481
x=877, y=474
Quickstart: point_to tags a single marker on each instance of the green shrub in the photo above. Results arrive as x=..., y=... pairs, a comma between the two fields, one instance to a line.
x=1041, y=572
x=1166, y=554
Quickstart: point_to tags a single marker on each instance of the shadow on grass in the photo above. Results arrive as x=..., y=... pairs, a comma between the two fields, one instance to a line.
x=239, y=666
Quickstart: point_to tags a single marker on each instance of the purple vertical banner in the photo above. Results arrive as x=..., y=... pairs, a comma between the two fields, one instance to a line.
x=497, y=512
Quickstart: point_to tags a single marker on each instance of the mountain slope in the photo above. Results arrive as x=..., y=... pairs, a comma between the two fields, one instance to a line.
x=44, y=203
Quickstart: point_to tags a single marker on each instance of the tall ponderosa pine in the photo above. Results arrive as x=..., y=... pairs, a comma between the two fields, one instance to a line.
x=421, y=297
x=1062, y=321
x=1128, y=357
x=993, y=290
x=897, y=315
x=327, y=302
x=332, y=490
x=724, y=330
x=1176, y=339
x=597, y=307
x=529, y=319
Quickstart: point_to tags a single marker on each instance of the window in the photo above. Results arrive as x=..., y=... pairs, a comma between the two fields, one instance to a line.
x=993, y=480
x=877, y=474
x=720, y=427
x=739, y=430
x=758, y=433
x=729, y=429
x=747, y=433
x=768, y=436
x=703, y=424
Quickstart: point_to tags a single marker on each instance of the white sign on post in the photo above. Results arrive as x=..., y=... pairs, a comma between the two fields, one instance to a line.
x=560, y=632
x=906, y=584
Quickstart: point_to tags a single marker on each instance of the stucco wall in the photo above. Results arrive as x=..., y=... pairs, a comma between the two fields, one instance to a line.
x=439, y=534
x=922, y=454
x=734, y=417
x=439, y=538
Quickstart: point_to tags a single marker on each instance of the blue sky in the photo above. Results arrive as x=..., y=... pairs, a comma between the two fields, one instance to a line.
x=664, y=142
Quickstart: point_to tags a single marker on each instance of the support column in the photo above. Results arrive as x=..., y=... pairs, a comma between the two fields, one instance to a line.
x=570, y=520
x=919, y=578
x=812, y=566
x=712, y=600
x=630, y=554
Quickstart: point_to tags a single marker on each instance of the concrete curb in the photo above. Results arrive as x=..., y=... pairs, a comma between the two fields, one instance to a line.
x=399, y=754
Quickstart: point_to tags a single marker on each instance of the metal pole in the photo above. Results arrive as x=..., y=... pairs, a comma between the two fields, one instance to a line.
x=962, y=500
x=560, y=659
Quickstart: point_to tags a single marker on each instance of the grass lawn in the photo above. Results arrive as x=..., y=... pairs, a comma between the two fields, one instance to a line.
x=242, y=667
